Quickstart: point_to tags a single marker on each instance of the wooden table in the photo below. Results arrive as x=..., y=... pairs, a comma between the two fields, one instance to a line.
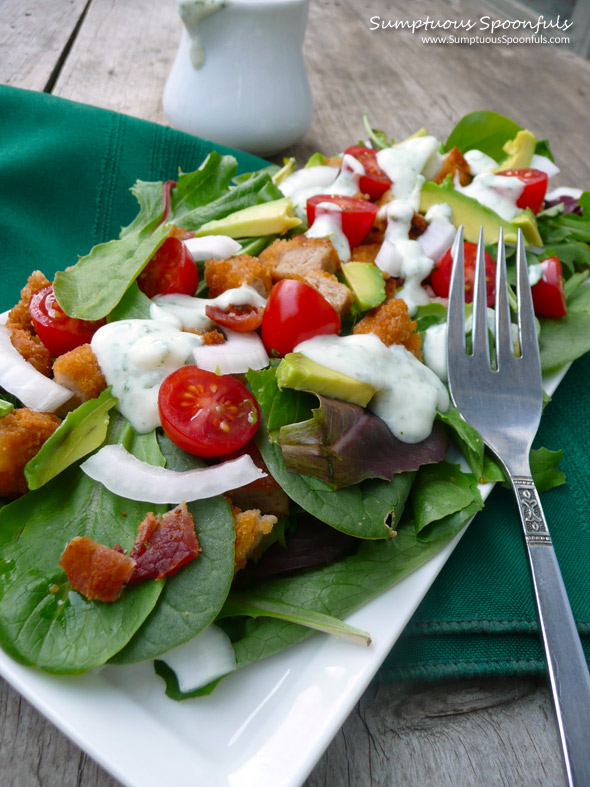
x=117, y=55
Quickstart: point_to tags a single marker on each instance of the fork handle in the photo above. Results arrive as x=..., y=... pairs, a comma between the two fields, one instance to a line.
x=566, y=663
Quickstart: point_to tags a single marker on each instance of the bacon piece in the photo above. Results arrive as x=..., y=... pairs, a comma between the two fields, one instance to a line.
x=241, y=318
x=94, y=570
x=163, y=545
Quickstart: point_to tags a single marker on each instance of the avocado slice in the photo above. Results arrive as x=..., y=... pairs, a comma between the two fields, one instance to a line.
x=268, y=218
x=5, y=407
x=472, y=215
x=519, y=150
x=366, y=282
x=297, y=371
x=82, y=430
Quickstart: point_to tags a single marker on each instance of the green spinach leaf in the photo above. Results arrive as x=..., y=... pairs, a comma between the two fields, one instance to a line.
x=191, y=599
x=43, y=622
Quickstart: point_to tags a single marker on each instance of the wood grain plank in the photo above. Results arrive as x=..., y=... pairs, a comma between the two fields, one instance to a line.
x=122, y=56
x=405, y=84
x=33, y=35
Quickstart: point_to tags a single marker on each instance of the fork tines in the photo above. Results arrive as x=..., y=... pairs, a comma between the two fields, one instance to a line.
x=504, y=345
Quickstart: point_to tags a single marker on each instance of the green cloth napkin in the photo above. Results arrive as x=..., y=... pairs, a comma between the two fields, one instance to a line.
x=479, y=616
x=65, y=174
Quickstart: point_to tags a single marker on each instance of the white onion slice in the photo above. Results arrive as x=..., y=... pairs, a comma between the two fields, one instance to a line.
x=308, y=178
x=217, y=246
x=564, y=191
x=437, y=238
x=241, y=351
x=544, y=164
x=203, y=659
x=125, y=475
x=23, y=381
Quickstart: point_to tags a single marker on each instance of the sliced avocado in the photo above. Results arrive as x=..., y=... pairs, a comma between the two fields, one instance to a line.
x=268, y=218
x=297, y=371
x=82, y=430
x=366, y=282
x=519, y=150
x=472, y=215
x=527, y=222
x=5, y=407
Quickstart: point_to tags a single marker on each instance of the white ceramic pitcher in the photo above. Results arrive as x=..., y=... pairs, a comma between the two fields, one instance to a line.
x=239, y=77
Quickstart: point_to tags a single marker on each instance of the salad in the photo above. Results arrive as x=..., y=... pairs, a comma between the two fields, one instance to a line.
x=230, y=427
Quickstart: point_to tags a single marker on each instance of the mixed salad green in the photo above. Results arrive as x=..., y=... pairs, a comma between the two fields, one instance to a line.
x=358, y=520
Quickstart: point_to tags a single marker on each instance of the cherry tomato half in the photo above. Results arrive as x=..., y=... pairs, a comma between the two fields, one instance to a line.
x=548, y=293
x=242, y=318
x=374, y=182
x=58, y=332
x=357, y=215
x=440, y=278
x=207, y=414
x=171, y=269
x=296, y=312
x=535, y=187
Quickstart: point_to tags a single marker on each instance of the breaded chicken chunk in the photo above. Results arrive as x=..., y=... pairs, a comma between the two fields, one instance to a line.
x=251, y=526
x=19, y=316
x=454, y=164
x=22, y=433
x=20, y=326
x=222, y=275
x=392, y=324
x=288, y=259
x=336, y=293
x=32, y=349
x=79, y=371
x=366, y=252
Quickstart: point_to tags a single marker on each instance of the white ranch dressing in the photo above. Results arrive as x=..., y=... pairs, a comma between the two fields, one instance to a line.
x=328, y=224
x=401, y=257
x=408, y=393
x=345, y=183
x=135, y=357
x=404, y=162
x=187, y=312
x=479, y=162
x=497, y=192
x=192, y=13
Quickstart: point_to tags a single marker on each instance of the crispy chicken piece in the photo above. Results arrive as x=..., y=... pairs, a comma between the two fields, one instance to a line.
x=251, y=526
x=20, y=326
x=287, y=259
x=79, y=371
x=19, y=316
x=366, y=252
x=454, y=163
x=222, y=275
x=22, y=433
x=213, y=337
x=336, y=293
x=32, y=349
x=392, y=324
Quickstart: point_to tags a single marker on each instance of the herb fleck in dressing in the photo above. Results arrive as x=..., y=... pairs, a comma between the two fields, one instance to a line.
x=408, y=393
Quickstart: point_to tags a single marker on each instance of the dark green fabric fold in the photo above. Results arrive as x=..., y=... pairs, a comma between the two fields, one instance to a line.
x=65, y=174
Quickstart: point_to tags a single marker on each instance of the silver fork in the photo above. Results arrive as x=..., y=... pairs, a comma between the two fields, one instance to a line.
x=504, y=404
